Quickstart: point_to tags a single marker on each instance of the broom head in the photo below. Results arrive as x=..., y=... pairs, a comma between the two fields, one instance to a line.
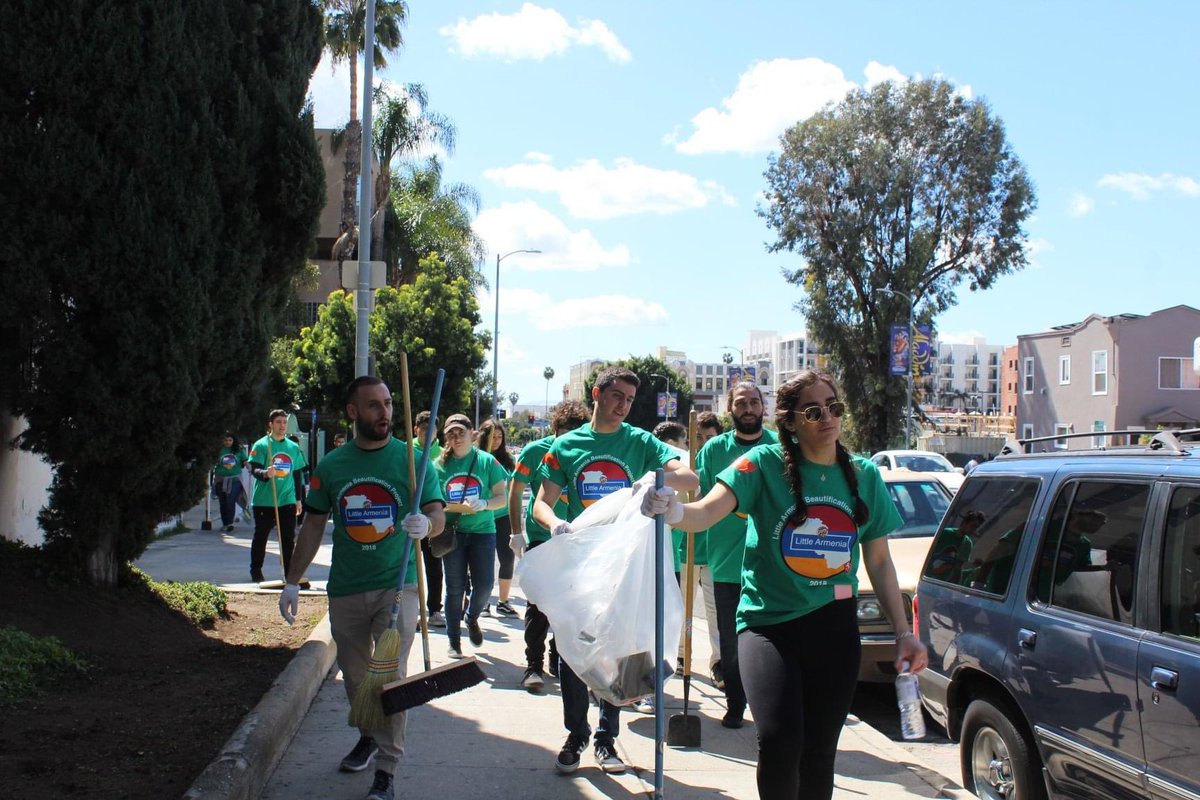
x=366, y=713
x=419, y=689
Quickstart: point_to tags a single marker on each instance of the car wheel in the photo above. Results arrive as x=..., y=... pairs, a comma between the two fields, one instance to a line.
x=998, y=762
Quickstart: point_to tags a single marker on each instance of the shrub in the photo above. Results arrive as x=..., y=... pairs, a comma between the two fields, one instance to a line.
x=29, y=665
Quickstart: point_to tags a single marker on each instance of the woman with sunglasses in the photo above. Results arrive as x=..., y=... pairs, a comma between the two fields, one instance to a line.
x=813, y=508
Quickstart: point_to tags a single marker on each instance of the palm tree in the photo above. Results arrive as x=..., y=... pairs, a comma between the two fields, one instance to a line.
x=429, y=218
x=345, y=35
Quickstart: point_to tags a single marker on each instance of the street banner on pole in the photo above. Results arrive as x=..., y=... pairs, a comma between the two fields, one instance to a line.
x=922, y=350
x=668, y=404
x=899, y=350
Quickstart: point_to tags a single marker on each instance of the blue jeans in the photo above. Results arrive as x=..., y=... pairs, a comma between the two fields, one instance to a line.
x=228, y=500
x=575, y=708
x=475, y=552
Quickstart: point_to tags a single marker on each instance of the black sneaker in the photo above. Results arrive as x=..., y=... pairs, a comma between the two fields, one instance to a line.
x=718, y=676
x=257, y=576
x=505, y=609
x=568, y=757
x=474, y=632
x=533, y=680
x=607, y=758
x=732, y=719
x=381, y=788
x=358, y=758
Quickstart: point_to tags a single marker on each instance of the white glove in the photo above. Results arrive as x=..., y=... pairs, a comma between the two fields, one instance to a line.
x=416, y=526
x=289, y=602
x=477, y=504
x=663, y=501
x=560, y=528
x=517, y=543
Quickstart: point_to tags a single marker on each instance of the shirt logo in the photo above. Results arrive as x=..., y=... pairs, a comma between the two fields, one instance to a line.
x=282, y=464
x=228, y=461
x=599, y=479
x=369, y=512
x=745, y=465
x=822, y=546
x=461, y=488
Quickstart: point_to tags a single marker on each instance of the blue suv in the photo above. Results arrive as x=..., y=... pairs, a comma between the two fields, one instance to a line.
x=1060, y=602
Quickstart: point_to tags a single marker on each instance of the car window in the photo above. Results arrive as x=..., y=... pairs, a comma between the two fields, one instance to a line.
x=1180, y=602
x=1088, y=560
x=924, y=464
x=978, y=541
x=879, y=461
x=921, y=505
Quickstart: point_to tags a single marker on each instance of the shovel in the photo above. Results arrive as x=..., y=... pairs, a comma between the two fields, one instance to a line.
x=683, y=730
x=207, y=524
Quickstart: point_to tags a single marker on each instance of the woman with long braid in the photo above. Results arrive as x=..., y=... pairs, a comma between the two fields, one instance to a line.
x=813, y=509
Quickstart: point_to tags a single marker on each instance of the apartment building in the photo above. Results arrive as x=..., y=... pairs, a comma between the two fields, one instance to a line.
x=1123, y=372
x=966, y=377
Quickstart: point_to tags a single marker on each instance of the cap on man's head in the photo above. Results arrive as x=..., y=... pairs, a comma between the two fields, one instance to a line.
x=457, y=421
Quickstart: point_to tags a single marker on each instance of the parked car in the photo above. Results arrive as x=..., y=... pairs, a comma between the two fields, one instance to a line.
x=921, y=461
x=1060, y=602
x=921, y=499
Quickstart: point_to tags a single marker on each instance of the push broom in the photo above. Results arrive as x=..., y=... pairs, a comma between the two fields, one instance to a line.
x=416, y=690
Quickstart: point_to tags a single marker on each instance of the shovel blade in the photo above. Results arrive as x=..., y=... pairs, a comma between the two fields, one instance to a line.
x=683, y=730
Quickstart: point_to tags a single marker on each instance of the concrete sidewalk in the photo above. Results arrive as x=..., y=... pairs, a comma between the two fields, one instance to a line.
x=495, y=739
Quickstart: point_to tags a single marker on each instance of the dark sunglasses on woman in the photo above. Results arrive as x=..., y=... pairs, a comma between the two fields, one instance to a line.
x=814, y=412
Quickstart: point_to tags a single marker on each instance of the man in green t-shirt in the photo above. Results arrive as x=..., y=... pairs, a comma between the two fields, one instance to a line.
x=277, y=463
x=528, y=534
x=365, y=485
x=590, y=463
x=726, y=541
x=433, y=564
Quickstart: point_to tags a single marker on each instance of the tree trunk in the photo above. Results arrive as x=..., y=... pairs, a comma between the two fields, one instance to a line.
x=102, y=563
x=353, y=158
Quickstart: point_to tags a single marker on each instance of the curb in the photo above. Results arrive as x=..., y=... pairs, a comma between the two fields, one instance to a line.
x=945, y=785
x=240, y=771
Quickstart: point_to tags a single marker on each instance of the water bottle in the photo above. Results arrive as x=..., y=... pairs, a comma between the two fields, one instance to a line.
x=908, y=697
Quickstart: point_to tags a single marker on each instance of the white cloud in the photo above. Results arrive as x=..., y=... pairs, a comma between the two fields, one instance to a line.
x=532, y=33
x=546, y=314
x=329, y=89
x=1081, y=205
x=1140, y=186
x=528, y=226
x=959, y=337
x=770, y=97
x=1035, y=248
x=881, y=73
x=590, y=190
x=541, y=158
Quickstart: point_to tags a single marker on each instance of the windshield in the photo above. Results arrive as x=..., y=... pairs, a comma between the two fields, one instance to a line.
x=921, y=505
x=925, y=463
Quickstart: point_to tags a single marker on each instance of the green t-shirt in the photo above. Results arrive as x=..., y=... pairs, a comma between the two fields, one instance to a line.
x=458, y=486
x=789, y=571
x=285, y=456
x=591, y=466
x=503, y=512
x=527, y=472
x=725, y=542
x=229, y=462
x=367, y=493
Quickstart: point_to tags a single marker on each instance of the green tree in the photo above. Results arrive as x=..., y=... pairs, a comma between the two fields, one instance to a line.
x=432, y=319
x=152, y=258
x=345, y=39
x=908, y=188
x=426, y=217
x=652, y=374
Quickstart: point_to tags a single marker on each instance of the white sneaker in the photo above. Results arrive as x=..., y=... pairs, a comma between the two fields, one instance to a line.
x=437, y=619
x=644, y=706
x=455, y=652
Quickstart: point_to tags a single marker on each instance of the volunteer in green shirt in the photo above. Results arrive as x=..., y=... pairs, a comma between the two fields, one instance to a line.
x=433, y=564
x=726, y=540
x=472, y=479
x=590, y=463
x=528, y=534
x=491, y=440
x=365, y=486
x=277, y=463
x=227, y=479
x=813, y=508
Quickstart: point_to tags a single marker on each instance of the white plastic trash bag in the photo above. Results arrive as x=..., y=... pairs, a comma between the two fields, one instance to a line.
x=596, y=586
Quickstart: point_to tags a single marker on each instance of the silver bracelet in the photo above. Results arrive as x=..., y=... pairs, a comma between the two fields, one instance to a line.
x=906, y=633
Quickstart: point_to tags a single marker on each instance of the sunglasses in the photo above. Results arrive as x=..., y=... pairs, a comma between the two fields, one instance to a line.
x=814, y=413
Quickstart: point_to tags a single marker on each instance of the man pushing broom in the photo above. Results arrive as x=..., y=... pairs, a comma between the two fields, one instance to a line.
x=365, y=485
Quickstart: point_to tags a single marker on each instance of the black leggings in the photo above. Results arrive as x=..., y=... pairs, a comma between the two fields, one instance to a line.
x=799, y=677
x=504, y=550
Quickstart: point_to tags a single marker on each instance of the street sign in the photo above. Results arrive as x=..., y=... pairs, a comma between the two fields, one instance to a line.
x=350, y=275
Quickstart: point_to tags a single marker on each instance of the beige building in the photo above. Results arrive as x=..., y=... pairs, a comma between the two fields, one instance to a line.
x=1125, y=372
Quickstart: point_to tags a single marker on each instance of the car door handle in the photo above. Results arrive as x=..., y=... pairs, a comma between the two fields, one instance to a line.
x=1164, y=680
x=1027, y=638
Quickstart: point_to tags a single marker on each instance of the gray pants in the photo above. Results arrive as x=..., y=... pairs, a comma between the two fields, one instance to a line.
x=356, y=622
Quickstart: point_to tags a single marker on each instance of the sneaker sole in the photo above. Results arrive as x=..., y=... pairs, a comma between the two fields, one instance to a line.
x=344, y=767
x=532, y=686
x=565, y=769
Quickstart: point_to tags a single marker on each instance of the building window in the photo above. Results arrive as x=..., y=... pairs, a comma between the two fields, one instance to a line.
x=1177, y=373
x=1064, y=370
x=1099, y=441
x=1061, y=428
x=1027, y=377
x=699, y=383
x=1099, y=372
x=1027, y=431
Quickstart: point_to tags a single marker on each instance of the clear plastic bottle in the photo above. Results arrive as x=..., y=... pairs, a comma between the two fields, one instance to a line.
x=908, y=697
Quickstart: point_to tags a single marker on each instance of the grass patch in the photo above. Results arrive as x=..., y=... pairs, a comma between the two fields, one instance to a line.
x=202, y=603
x=30, y=665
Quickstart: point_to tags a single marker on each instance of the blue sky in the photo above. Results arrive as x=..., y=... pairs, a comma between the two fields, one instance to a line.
x=627, y=141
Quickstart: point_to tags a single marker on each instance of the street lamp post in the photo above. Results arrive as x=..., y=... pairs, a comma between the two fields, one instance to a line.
x=741, y=355
x=912, y=304
x=496, y=335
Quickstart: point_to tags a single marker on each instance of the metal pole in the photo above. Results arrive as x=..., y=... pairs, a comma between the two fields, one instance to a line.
x=362, y=295
x=660, y=544
x=496, y=348
x=911, y=349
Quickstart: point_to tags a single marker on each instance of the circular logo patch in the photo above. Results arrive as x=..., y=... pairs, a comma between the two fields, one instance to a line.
x=821, y=547
x=461, y=488
x=599, y=479
x=369, y=513
x=282, y=464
